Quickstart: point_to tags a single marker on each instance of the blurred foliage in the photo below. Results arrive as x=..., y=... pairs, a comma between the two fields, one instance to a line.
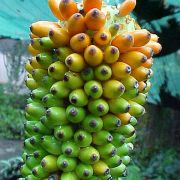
x=11, y=115
x=9, y=170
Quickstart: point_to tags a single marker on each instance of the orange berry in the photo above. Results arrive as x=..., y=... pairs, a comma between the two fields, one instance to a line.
x=54, y=6
x=42, y=28
x=93, y=55
x=95, y=19
x=141, y=37
x=79, y=42
x=102, y=37
x=124, y=117
x=142, y=86
x=127, y=7
x=90, y=4
x=133, y=58
x=32, y=36
x=148, y=64
x=32, y=51
x=154, y=37
x=59, y=36
x=155, y=46
x=67, y=8
x=123, y=42
x=76, y=24
x=141, y=73
x=147, y=51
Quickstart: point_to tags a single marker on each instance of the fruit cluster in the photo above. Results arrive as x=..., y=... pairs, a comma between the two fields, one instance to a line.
x=89, y=78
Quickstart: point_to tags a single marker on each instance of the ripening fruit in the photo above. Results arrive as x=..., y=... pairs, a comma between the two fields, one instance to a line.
x=28, y=67
x=93, y=55
x=70, y=149
x=32, y=50
x=148, y=64
x=42, y=28
x=89, y=155
x=113, y=89
x=118, y=171
x=123, y=42
x=48, y=163
x=59, y=36
x=89, y=79
x=44, y=59
x=101, y=137
x=120, y=70
x=87, y=74
x=95, y=19
x=102, y=37
x=31, y=83
x=93, y=89
x=55, y=116
x=142, y=86
x=32, y=36
x=107, y=150
x=76, y=24
x=154, y=38
x=67, y=8
x=69, y=175
x=66, y=164
x=88, y=5
x=79, y=42
x=133, y=58
x=62, y=53
x=114, y=28
x=92, y=123
x=59, y=89
x=57, y=70
x=33, y=62
x=111, y=122
x=78, y=97
x=75, y=62
x=127, y=7
x=35, y=109
x=141, y=37
x=75, y=114
x=84, y=171
x=129, y=94
x=103, y=72
x=123, y=150
x=118, y=105
x=38, y=93
x=98, y=107
x=113, y=161
x=111, y=54
x=147, y=51
x=54, y=6
x=141, y=73
x=155, y=46
x=130, y=83
x=63, y=133
x=46, y=43
x=136, y=109
x=73, y=80
x=124, y=117
x=101, y=168
x=82, y=138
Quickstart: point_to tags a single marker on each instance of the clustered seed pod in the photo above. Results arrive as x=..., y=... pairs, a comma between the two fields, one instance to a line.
x=89, y=79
